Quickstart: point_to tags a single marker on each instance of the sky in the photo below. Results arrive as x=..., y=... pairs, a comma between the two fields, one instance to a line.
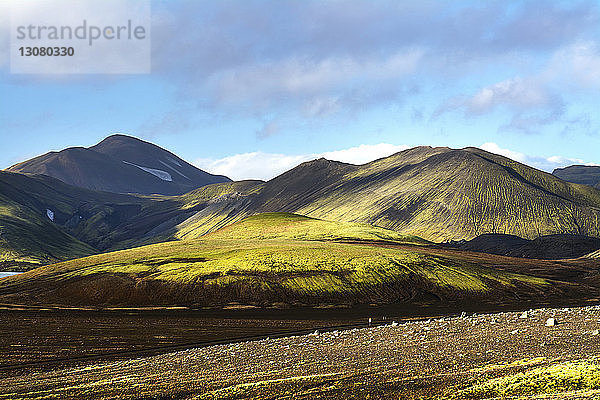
x=251, y=88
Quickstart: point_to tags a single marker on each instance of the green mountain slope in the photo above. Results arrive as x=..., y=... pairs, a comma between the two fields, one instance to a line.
x=443, y=194
x=439, y=194
x=283, y=258
x=44, y=220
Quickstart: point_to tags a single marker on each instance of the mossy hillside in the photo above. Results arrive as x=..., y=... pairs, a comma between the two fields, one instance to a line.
x=299, y=227
x=27, y=236
x=212, y=271
x=456, y=194
x=81, y=218
x=219, y=191
x=436, y=193
x=187, y=216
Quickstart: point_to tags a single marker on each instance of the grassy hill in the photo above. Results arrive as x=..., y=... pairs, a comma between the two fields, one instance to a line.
x=298, y=227
x=283, y=258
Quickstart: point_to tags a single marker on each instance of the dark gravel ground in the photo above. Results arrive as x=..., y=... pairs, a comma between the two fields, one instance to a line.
x=424, y=359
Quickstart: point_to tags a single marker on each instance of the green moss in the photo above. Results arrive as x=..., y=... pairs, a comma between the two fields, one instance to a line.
x=558, y=378
x=298, y=227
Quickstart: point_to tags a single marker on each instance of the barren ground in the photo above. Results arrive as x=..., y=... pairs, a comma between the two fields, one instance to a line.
x=425, y=359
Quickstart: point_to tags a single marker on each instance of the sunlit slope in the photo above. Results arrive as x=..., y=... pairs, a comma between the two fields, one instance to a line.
x=438, y=194
x=188, y=216
x=265, y=260
x=269, y=226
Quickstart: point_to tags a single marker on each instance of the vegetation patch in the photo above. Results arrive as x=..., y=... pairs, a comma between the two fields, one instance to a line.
x=271, y=258
x=558, y=378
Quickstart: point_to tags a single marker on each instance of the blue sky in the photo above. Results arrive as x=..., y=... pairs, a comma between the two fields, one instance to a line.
x=251, y=88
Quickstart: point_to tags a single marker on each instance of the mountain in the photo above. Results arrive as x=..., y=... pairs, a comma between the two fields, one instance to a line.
x=439, y=194
x=120, y=164
x=291, y=260
x=583, y=174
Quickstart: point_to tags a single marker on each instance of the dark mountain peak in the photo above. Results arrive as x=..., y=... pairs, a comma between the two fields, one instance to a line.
x=122, y=145
x=121, y=164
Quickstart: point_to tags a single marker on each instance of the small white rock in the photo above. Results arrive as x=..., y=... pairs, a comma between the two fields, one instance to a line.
x=524, y=315
x=550, y=322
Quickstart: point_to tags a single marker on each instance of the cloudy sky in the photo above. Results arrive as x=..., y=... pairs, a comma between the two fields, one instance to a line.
x=251, y=88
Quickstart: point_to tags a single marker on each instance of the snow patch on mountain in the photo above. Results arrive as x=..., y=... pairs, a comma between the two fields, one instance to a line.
x=168, y=166
x=174, y=161
x=159, y=173
x=50, y=214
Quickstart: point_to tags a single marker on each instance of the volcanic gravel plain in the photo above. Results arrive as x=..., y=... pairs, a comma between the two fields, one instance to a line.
x=501, y=355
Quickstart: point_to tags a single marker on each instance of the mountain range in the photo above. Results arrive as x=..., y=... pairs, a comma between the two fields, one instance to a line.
x=438, y=194
x=120, y=164
x=422, y=226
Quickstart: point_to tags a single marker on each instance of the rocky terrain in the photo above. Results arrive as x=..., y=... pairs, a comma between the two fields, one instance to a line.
x=543, y=353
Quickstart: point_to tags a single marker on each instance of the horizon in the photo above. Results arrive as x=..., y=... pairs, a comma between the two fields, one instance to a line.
x=239, y=92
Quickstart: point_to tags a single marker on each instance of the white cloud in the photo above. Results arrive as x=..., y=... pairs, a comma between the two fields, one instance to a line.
x=254, y=165
x=259, y=165
x=516, y=94
x=547, y=164
x=494, y=148
x=364, y=153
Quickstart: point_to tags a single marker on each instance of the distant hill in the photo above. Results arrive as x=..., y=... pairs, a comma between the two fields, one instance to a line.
x=289, y=260
x=551, y=247
x=583, y=174
x=120, y=164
